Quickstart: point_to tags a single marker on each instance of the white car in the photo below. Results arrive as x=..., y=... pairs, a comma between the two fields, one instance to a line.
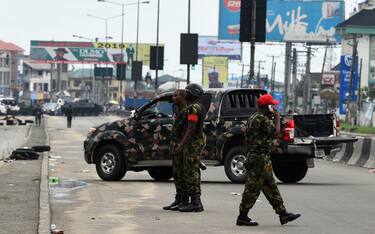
x=8, y=103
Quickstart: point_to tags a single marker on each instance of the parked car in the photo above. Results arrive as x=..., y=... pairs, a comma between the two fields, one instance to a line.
x=8, y=106
x=141, y=141
x=52, y=108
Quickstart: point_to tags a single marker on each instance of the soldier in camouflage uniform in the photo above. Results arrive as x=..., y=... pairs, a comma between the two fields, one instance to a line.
x=191, y=146
x=180, y=114
x=262, y=128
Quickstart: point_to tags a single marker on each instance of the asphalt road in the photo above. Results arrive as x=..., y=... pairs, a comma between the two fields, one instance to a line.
x=333, y=198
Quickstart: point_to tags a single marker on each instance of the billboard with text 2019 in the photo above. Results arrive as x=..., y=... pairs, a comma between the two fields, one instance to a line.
x=288, y=20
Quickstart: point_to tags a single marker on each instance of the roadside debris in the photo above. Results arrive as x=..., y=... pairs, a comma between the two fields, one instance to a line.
x=372, y=170
x=28, y=153
x=55, y=231
x=12, y=120
x=235, y=194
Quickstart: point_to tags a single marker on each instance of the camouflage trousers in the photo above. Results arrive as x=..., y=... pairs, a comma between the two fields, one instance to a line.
x=191, y=176
x=260, y=178
x=177, y=166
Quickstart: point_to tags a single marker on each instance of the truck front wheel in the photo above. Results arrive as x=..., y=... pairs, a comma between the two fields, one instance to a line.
x=110, y=165
x=234, y=164
x=291, y=172
x=161, y=173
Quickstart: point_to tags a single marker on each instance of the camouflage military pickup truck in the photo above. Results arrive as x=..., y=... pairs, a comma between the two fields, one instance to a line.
x=141, y=142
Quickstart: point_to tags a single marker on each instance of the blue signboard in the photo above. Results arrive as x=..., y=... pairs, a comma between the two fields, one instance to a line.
x=345, y=66
x=288, y=20
x=279, y=97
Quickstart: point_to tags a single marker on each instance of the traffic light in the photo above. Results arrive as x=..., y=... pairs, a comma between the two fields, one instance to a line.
x=189, y=48
x=246, y=18
x=160, y=57
x=120, y=71
x=137, y=70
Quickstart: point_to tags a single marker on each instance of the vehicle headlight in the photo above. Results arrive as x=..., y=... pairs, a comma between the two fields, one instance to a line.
x=91, y=131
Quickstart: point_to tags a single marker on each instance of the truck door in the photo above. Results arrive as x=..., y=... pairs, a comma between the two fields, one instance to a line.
x=154, y=129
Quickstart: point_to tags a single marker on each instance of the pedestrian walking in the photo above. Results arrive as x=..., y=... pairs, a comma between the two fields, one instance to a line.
x=180, y=113
x=38, y=112
x=262, y=128
x=69, y=116
x=191, y=146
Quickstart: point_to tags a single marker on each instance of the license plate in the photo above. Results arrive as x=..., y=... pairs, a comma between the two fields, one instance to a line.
x=319, y=153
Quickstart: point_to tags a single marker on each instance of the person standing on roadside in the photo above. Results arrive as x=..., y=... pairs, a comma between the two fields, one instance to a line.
x=262, y=128
x=69, y=116
x=191, y=146
x=180, y=113
x=38, y=112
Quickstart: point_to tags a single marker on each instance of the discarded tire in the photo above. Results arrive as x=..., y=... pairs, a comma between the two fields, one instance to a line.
x=41, y=148
x=24, y=154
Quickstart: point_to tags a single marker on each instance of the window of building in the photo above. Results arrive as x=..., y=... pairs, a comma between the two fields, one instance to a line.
x=45, y=88
x=6, y=78
x=1, y=78
x=114, y=95
x=77, y=83
x=40, y=73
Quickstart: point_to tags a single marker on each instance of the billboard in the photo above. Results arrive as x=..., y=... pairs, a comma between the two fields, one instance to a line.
x=288, y=20
x=215, y=72
x=345, y=66
x=211, y=46
x=88, y=52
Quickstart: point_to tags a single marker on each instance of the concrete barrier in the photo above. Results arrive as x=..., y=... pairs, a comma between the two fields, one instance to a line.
x=360, y=153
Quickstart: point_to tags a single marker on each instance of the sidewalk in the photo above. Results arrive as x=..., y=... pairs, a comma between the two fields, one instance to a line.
x=20, y=190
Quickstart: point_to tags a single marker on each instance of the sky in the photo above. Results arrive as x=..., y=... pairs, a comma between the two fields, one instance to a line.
x=25, y=20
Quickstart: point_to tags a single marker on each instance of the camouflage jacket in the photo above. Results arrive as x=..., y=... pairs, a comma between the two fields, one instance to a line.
x=195, y=109
x=177, y=127
x=260, y=131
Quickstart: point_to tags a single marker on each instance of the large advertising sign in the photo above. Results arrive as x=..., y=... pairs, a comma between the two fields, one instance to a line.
x=88, y=52
x=345, y=66
x=215, y=72
x=211, y=46
x=288, y=20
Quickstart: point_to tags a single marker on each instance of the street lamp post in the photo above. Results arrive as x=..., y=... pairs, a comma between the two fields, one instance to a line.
x=188, y=66
x=122, y=28
x=106, y=32
x=96, y=39
x=157, y=47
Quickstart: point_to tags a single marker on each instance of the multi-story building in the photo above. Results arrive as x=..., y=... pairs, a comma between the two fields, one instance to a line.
x=83, y=84
x=38, y=79
x=9, y=61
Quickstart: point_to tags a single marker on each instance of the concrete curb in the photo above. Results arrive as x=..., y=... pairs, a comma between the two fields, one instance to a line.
x=44, y=205
x=360, y=153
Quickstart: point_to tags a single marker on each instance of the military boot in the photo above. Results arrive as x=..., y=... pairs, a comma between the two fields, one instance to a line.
x=286, y=217
x=195, y=204
x=177, y=201
x=184, y=202
x=244, y=220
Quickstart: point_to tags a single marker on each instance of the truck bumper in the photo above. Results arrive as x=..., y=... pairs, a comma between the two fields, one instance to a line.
x=88, y=146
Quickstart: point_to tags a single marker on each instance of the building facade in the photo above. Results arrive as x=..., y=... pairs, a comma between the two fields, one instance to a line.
x=10, y=55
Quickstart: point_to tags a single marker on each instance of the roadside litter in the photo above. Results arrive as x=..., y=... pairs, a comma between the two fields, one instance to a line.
x=12, y=120
x=54, y=230
x=28, y=153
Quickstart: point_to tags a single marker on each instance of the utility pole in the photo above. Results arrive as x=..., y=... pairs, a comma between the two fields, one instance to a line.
x=294, y=79
x=252, y=39
x=188, y=65
x=288, y=52
x=157, y=47
x=243, y=68
x=306, y=90
x=273, y=78
x=258, y=76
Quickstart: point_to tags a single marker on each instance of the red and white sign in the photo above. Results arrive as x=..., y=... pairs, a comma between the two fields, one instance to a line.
x=233, y=5
x=328, y=79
